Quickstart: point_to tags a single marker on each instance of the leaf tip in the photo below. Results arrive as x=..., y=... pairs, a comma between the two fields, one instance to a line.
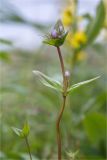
x=35, y=72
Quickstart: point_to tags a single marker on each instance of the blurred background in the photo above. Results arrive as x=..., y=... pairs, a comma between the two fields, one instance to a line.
x=22, y=27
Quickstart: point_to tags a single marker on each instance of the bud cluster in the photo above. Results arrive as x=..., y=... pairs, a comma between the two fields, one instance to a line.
x=58, y=30
x=57, y=35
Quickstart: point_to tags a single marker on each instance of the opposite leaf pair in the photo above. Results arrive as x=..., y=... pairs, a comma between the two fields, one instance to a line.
x=49, y=82
x=24, y=132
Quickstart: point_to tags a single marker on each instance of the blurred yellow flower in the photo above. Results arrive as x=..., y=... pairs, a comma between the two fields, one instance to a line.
x=77, y=39
x=81, y=56
x=67, y=17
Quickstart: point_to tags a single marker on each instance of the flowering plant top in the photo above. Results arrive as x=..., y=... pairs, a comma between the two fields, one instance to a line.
x=57, y=36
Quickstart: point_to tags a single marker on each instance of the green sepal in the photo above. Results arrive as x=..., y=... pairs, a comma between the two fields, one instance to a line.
x=57, y=41
x=97, y=23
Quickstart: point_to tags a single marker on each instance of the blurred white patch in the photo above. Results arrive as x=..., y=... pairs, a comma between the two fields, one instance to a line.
x=42, y=11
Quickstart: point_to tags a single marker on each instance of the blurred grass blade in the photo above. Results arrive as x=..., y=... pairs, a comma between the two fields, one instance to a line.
x=5, y=41
x=95, y=26
x=81, y=84
x=47, y=81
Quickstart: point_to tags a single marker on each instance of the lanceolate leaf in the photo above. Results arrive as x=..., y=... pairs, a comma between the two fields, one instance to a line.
x=5, y=41
x=95, y=26
x=17, y=131
x=22, y=132
x=25, y=130
x=81, y=84
x=47, y=81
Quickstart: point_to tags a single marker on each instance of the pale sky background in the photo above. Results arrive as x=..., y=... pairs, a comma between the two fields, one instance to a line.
x=45, y=11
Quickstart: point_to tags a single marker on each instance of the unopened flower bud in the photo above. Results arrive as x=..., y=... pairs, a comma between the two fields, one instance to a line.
x=60, y=28
x=59, y=36
x=54, y=34
x=67, y=74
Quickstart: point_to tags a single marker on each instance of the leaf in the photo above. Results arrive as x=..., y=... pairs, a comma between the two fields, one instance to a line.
x=47, y=81
x=87, y=16
x=25, y=130
x=4, y=56
x=17, y=131
x=81, y=84
x=56, y=42
x=95, y=26
x=5, y=41
x=22, y=132
x=95, y=127
x=73, y=155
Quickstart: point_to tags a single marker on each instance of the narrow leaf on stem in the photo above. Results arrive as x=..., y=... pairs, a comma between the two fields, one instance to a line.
x=49, y=82
x=70, y=89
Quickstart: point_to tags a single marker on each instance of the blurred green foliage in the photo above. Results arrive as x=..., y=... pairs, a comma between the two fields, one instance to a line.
x=23, y=97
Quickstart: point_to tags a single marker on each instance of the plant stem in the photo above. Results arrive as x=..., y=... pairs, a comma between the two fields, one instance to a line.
x=58, y=128
x=27, y=143
x=65, y=85
x=62, y=63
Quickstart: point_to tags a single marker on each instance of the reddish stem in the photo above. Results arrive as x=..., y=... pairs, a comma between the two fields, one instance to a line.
x=65, y=85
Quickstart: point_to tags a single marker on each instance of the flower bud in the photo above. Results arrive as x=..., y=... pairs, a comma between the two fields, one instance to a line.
x=67, y=74
x=57, y=36
x=61, y=29
x=54, y=34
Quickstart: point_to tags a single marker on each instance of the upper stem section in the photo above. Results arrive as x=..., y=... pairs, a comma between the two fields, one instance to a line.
x=62, y=63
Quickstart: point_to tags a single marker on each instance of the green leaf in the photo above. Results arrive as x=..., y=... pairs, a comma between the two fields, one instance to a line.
x=81, y=84
x=25, y=130
x=95, y=26
x=95, y=127
x=47, y=81
x=17, y=131
x=4, y=56
x=56, y=42
x=5, y=41
x=73, y=155
x=22, y=132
